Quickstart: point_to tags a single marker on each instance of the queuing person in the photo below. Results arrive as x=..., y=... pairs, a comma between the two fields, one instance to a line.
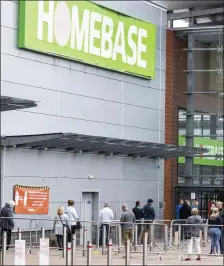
x=105, y=218
x=148, y=211
x=185, y=212
x=127, y=224
x=72, y=217
x=219, y=205
x=60, y=221
x=215, y=222
x=7, y=224
x=193, y=229
x=178, y=206
x=195, y=204
x=138, y=212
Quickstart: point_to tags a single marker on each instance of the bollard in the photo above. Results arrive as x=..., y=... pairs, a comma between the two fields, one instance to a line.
x=4, y=241
x=89, y=253
x=116, y=235
x=127, y=251
x=84, y=240
x=73, y=253
x=42, y=232
x=145, y=245
x=136, y=236
x=68, y=253
x=103, y=239
x=19, y=232
x=109, y=252
x=64, y=242
x=165, y=237
x=179, y=235
x=119, y=239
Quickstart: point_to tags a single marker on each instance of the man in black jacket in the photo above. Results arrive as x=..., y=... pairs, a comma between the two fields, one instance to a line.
x=7, y=223
x=149, y=217
x=185, y=212
x=138, y=212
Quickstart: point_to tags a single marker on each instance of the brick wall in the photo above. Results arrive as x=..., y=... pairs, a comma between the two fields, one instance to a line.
x=176, y=85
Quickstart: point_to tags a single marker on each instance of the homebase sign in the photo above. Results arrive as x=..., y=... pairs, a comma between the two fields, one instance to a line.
x=86, y=32
x=214, y=147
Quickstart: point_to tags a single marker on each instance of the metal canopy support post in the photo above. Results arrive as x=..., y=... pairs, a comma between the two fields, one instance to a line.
x=190, y=105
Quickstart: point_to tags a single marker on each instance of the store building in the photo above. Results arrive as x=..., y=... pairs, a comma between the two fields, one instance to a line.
x=78, y=100
x=194, y=102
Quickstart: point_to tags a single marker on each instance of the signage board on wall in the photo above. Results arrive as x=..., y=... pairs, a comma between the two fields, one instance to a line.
x=215, y=147
x=31, y=200
x=89, y=33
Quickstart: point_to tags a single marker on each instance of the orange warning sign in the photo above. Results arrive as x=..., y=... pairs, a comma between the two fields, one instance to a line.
x=31, y=200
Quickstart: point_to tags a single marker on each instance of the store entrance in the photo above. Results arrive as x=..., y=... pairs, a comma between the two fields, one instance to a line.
x=205, y=196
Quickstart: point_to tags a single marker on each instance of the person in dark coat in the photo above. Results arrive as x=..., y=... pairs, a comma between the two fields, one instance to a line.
x=138, y=212
x=149, y=217
x=185, y=212
x=7, y=224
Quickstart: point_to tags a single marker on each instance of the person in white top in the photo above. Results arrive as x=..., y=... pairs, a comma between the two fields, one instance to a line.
x=72, y=217
x=105, y=218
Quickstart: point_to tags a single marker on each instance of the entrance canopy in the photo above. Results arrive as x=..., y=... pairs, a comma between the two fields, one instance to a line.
x=78, y=143
x=12, y=103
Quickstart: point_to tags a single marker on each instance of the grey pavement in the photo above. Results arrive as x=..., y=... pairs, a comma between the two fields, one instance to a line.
x=170, y=258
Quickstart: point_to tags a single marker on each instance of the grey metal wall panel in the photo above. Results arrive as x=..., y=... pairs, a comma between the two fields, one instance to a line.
x=119, y=180
x=75, y=97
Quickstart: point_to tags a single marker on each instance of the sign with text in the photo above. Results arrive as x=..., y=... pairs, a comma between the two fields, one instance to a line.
x=44, y=251
x=31, y=200
x=214, y=147
x=86, y=32
x=20, y=249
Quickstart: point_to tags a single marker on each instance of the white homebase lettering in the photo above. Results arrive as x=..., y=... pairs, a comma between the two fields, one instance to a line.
x=80, y=34
x=131, y=60
x=119, y=43
x=45, y=17
x=106, y=37
x=94, y=33
x=62, y=24
x=141, y=48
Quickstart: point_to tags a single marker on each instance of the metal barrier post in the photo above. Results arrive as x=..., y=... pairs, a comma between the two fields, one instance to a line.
x=119, y=239
x=73, y=253
x=42, y=232
x=109, y=252
x=64, y=242
x=179, y=235
x=19, y=234
x=145, y=245
x=136, y=236
x=4, y=241
x=84, y=239
x=165, y=237
x=89, y=253
x=68, y=253
x=151, y=234
x=127, y=251
x=103, y=239
x=205, y=234
x=116, y=234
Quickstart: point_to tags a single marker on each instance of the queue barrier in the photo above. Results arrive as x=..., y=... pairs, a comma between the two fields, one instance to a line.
x=158, y=239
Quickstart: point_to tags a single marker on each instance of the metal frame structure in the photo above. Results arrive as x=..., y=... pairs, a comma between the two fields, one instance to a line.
x=12, y=103
x=77, y=143
x=204, y=18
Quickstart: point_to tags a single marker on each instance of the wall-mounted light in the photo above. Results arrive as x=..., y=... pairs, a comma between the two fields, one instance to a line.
x=90, y=176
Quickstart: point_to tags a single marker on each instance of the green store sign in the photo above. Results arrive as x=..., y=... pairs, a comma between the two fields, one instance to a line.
x=215, y=147
x=86, y=32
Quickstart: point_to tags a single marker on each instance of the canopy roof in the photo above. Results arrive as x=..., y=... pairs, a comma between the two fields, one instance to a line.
x=78, y=143
x=12, y=103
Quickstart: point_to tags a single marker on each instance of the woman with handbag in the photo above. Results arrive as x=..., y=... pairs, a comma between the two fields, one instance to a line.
x=215, y=223
x=73, y=218
x=60, y=221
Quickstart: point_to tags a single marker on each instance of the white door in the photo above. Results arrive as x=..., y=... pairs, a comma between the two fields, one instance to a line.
x=87, y=210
